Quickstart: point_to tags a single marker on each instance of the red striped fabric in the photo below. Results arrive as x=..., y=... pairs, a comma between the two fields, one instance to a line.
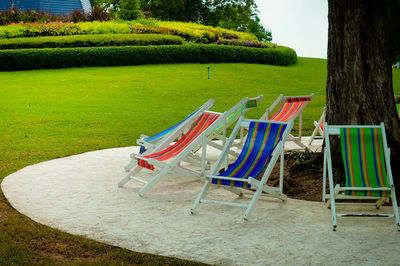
x=145, y=164
x=287, y=111
x=198, y=127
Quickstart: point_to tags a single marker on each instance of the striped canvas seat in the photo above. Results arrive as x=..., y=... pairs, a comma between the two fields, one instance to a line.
x=368, y=174
x=256, y=153
x=290, y=108
x=264, y=145
x=168, y=130
x=364, y=161
x=198, y=127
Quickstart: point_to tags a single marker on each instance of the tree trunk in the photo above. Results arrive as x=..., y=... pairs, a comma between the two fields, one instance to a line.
x=359, y=88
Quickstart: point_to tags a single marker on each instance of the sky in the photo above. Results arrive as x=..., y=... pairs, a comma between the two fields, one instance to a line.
x=299, y=24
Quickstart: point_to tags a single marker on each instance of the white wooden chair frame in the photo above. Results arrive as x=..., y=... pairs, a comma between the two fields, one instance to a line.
x=173, y=164
x=282, y=99
x=177, y=133
x=318, y=128
x=261, y=186
x=337, y=192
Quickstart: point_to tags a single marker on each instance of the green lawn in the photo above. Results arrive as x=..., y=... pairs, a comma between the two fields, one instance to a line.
x=47, y=114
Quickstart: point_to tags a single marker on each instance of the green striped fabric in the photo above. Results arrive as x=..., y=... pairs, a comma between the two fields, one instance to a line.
x=251, y=103
x=364, y=160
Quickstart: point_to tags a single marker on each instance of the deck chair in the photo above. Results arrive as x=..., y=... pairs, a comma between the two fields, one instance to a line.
x=168, y=155
x=290, y=107
x=319, y=128
x=366, y=159
x=397, y=100
x=220, y=132
x=264, y=144
x=148, y=143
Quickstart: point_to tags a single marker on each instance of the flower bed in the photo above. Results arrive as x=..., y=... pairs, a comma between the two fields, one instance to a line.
x=247, y=43
x=189, y=31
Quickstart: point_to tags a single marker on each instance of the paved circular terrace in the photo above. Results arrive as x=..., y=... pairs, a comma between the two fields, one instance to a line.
x=79, y=195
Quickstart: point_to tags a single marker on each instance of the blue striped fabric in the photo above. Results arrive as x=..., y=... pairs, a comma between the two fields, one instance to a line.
x=262, y=139
x=168, y=130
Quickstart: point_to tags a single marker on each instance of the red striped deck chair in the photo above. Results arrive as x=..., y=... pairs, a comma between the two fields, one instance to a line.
x=264, y=144
x=168, y=155
x=149, y=143
x=366, y=160
x=290, y=108
x=319, y=128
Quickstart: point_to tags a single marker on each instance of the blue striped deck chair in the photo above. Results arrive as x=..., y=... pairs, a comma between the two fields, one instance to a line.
x=264, y=144
x=149, y=143
x=366, y=161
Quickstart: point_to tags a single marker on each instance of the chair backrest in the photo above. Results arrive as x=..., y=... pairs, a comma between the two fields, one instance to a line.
x=262, y=139
x=290, y=108
x=197, y=128
x=364, y=150
x=240, y=109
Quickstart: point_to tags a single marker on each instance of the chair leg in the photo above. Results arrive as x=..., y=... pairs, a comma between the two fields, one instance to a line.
x=252, y=202
x=127, y=177
x=395, y=209
x=200, y=196
x=153, y=181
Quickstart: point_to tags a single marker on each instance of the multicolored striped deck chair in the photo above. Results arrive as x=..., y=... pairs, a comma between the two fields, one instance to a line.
x=290, y=108
x=148, y=143
x=397, y=101
x=264, y=144
x=319, y=127
x=366, y=159
x=220, y=132
x=168, y=154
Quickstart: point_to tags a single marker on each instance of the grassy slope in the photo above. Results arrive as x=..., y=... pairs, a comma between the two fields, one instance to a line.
x=53, y=113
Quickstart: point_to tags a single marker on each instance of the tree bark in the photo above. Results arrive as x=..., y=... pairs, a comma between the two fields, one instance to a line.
x=359, y=87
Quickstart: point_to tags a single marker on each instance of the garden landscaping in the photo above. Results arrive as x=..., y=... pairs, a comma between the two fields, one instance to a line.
x=61, y=45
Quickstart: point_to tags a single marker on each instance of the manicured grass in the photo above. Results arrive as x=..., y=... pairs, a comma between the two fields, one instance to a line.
x=54, y=113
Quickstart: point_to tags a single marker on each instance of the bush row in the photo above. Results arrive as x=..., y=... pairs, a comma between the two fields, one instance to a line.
x=90, y=41
x=24, y=59
x=189, y=31
x=247, y=43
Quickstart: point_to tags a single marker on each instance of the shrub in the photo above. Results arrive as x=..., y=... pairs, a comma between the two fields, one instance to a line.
x=23, y=59
x=89, y=41
x=247, y=43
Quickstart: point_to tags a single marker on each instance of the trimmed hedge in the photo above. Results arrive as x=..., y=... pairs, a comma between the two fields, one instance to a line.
x=90, y=41
x=25, y=59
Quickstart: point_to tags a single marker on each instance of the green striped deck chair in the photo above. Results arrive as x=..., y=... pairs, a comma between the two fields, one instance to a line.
x=221, y=131
x=397, y=101
x=366, y=160
x=264, y=144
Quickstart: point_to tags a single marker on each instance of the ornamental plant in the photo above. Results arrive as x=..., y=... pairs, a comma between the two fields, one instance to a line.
x=247, y=43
